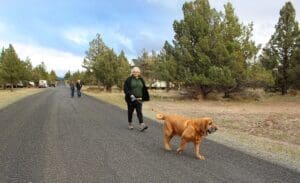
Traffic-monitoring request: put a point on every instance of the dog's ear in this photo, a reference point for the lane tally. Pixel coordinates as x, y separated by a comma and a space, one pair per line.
189, 122
203, 125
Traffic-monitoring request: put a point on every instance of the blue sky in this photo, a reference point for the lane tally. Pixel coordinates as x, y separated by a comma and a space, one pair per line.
58, 31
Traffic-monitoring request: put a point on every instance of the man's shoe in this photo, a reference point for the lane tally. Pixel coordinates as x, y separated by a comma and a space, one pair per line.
143, 127
130, 127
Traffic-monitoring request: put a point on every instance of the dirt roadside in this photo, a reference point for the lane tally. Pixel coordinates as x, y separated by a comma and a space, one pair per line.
7, 97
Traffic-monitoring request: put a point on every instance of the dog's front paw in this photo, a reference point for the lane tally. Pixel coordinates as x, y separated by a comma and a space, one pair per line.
168, 148
179, 151
200, 157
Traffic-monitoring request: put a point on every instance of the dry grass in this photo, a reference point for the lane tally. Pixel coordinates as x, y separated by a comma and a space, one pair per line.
269, 129
277, 121
7, 97
116, 98
279, 152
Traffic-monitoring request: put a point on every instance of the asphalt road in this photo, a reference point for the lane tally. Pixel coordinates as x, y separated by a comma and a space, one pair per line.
50, 137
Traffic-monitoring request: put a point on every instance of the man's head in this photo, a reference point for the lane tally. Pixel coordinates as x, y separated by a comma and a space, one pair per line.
136, 72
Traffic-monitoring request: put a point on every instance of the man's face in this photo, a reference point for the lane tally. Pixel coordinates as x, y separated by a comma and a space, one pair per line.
136, 73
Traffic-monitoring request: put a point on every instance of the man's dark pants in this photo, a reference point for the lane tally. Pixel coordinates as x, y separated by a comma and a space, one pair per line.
137, 105
78, 93
72, 92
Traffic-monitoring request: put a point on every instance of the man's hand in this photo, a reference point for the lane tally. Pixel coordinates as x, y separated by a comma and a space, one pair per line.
132, 98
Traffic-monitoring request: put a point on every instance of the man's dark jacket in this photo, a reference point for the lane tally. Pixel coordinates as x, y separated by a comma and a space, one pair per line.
78, 85
72, 86
128, 90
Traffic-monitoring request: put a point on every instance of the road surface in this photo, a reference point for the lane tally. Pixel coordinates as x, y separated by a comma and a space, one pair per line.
50, 137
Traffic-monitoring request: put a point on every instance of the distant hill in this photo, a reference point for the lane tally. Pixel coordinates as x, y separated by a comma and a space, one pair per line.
60, 78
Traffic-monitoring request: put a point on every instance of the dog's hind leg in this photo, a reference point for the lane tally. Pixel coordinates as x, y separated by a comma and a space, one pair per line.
182, 145
167, 139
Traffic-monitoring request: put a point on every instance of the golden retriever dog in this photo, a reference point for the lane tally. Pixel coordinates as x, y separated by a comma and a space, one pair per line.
190, 130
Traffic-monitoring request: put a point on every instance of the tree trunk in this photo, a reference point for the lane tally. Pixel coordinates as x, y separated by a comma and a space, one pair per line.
231, 90
98, 84
284, 88
11, 85
205, 91
108, 88
168, 86
285, 64
226, 94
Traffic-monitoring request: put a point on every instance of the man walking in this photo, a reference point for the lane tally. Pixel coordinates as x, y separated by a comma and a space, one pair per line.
135, 94
72, 87
78, 87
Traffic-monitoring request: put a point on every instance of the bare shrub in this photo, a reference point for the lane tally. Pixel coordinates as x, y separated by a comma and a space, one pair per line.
249, 94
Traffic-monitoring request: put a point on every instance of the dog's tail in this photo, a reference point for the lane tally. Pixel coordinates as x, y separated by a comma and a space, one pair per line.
159, 115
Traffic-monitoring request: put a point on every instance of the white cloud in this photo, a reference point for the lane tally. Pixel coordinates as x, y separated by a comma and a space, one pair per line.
79, 36
148, 34
56, 60
112, 36
124, 40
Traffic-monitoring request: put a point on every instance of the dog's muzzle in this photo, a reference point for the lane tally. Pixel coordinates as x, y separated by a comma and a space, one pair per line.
212, 129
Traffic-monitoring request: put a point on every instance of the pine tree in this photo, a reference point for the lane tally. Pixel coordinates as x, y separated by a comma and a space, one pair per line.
52, 77
294, 71
239, 50
97, 47
11, 66
123, 69
105, 68
41, 72
166, 65
1, 69
146, 62
102, 61
67, 75
209, 45
27, 69
258, 76
278, 53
